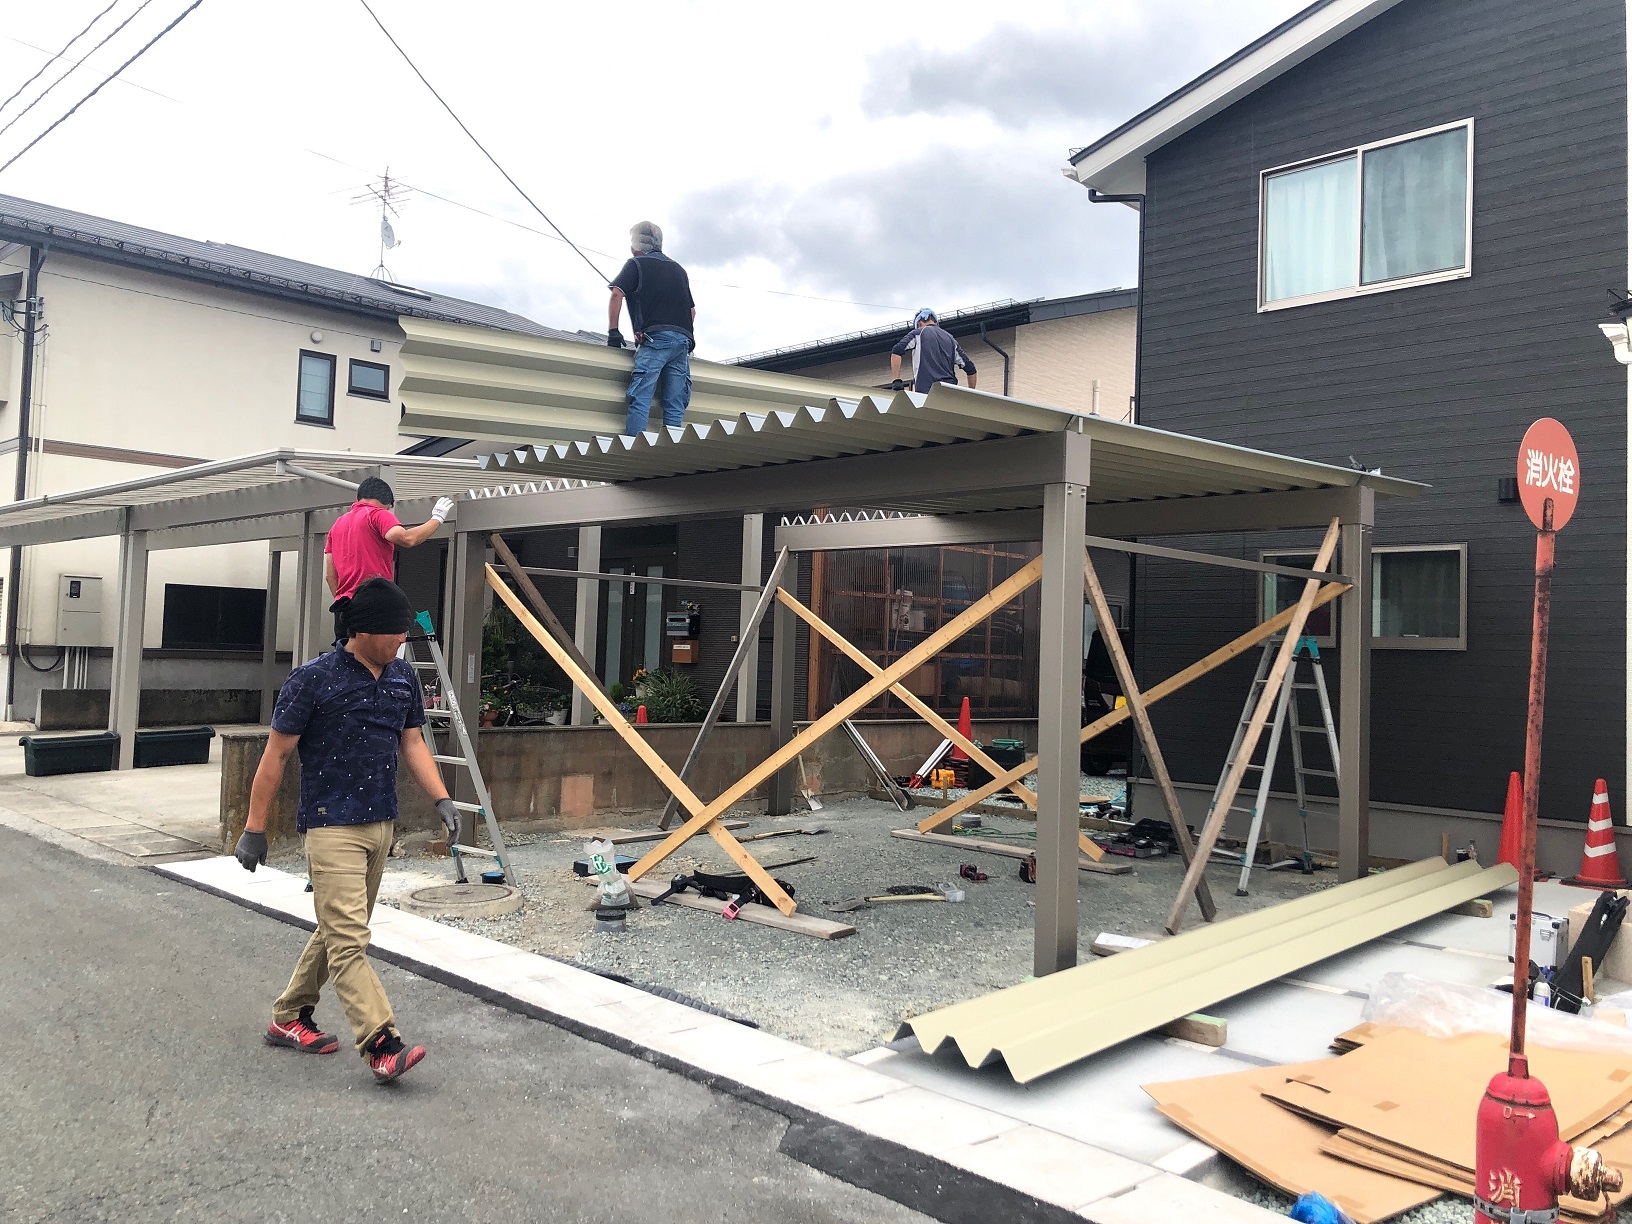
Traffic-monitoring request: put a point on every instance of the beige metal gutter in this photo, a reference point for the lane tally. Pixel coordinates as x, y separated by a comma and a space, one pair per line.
1052, 1022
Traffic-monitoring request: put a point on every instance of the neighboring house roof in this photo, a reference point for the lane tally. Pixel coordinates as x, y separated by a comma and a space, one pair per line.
1115, 163
966, 322
234, 267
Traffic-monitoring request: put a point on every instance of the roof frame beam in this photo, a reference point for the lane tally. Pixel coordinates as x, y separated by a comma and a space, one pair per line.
1022, 464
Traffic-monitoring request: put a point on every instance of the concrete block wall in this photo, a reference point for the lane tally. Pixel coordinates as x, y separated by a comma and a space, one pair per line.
579, 777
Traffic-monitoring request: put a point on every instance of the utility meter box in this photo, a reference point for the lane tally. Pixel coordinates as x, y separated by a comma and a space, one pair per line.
79, 610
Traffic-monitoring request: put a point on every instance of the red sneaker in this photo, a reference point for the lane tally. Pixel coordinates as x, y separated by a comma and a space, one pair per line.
301, 1034
388, 1058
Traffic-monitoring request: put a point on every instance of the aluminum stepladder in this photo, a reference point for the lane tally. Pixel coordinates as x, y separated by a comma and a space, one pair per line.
1289, 711
443, 715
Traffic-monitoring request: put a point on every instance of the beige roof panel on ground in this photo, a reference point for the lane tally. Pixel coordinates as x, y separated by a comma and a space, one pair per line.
1052, 1022
471, 382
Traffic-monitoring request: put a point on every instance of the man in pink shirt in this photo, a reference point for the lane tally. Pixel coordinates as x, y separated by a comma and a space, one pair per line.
363, 542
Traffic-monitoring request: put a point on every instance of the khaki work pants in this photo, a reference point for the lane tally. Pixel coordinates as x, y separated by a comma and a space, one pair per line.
346, 863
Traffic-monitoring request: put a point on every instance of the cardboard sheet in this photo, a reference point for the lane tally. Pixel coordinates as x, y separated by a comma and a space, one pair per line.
1422, 1093
1230, 1113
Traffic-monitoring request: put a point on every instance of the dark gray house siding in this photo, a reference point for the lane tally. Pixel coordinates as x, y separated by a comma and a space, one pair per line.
1434, 383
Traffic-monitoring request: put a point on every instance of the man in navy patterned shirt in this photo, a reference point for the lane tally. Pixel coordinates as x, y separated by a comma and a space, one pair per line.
349, 713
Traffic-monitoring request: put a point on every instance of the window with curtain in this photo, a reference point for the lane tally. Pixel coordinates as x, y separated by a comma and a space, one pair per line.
1376, 217
1418, 597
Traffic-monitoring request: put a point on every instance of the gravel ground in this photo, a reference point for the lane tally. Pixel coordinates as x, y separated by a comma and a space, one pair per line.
846, 995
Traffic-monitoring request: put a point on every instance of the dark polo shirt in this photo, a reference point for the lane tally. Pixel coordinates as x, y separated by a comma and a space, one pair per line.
350, 727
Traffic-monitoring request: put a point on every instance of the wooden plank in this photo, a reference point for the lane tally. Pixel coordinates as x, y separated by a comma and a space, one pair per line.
1141, 722
1019, 582
1260, 719
1003, 848
542, 608
625, 837
1109, 943
912, 701
760, 915
1479, 907
747, 639
1199, 1028
1166, 688
648, 755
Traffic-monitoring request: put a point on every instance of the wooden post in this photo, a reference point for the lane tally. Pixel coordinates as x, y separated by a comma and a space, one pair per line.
920, 654
648, 755
1166, 688
1260, 719
1141, 722
747, 643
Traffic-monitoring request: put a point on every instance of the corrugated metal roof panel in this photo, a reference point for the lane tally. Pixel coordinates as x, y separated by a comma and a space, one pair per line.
470, 382
1043, 1025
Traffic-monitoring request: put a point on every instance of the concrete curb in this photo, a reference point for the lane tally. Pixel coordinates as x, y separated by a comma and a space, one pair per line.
859, 1125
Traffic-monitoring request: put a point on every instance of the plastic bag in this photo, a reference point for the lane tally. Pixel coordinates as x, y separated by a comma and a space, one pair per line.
1318, 1209
1446, 1009
603, 863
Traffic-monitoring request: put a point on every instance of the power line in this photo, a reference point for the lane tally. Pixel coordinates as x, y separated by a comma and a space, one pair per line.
478, 143
40, 97
65, 49
65, 117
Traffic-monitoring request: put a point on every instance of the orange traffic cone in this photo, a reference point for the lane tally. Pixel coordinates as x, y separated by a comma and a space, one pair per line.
1512, 821
1600, 866
640, 716
966, 728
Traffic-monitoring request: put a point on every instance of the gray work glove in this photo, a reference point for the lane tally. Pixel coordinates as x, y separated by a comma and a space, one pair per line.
614, 338
251, 850
450, 818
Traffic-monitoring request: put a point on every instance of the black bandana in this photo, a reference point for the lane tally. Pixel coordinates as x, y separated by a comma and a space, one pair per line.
378, 606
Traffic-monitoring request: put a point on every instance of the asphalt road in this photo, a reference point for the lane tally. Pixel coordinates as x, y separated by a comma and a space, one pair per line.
134, 1086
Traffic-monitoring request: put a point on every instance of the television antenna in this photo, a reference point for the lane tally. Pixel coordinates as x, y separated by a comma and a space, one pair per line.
388, 193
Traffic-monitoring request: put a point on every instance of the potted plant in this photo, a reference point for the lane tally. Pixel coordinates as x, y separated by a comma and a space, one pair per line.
559, 704
669, 697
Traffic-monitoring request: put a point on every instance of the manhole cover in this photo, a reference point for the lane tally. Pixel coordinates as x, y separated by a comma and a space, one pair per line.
462, 900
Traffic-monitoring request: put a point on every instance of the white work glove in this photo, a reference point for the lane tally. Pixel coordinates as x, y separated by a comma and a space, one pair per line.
443, 508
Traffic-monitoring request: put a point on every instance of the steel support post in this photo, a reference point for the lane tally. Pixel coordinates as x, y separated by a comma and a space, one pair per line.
784, 667
587, 615
269, 633
314, 627
125, 700
1354, 698
753, 572
1059, 724
462, 637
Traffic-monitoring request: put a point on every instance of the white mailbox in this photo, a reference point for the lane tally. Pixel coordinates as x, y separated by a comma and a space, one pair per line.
79, 610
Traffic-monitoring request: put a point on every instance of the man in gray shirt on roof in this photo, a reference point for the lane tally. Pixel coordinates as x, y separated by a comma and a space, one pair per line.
936, 356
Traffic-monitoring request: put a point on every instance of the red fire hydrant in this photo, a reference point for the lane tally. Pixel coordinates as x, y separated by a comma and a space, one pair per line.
1522, 1166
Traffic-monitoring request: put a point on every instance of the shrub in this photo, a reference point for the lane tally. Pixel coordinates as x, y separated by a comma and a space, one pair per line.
669, 697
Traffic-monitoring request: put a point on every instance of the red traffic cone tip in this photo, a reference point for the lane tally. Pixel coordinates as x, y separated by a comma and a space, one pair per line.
1512, 821
966, 728
640, 716
1600, 865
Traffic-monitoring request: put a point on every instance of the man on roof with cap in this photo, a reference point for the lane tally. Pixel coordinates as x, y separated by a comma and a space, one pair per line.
662, 315
363, 541
349, 714
936, 356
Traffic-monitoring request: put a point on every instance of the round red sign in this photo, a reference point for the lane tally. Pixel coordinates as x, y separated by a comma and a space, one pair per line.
1549, 470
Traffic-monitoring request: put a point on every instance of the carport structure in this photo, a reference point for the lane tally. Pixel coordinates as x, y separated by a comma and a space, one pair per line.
289, 498
953, 467
963, 467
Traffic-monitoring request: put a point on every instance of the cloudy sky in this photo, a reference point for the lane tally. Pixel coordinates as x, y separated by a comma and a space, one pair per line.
818, 168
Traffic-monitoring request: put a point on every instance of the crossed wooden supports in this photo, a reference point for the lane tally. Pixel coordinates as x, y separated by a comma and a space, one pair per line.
705, 816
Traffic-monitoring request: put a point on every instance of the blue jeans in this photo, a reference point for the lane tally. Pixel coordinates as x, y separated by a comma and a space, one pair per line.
662, 363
